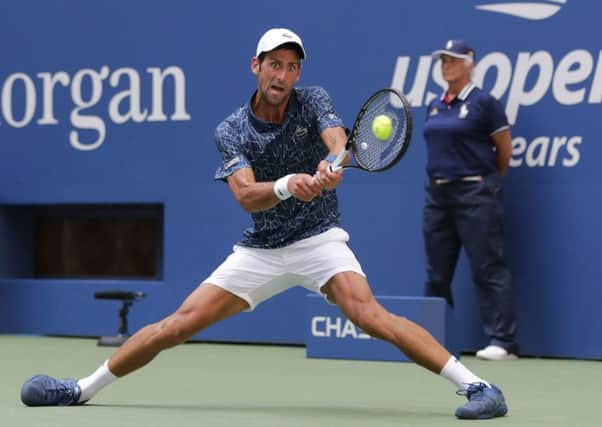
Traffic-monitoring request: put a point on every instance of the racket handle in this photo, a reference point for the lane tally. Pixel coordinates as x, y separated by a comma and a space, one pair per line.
336, 164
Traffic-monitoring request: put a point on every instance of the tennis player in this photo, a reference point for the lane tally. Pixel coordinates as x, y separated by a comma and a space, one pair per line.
276, 150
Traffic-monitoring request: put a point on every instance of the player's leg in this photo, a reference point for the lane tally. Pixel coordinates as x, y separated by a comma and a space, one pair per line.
336, 273
480, 224
350, 291
353, 295
441, 243
203, 307
245, 279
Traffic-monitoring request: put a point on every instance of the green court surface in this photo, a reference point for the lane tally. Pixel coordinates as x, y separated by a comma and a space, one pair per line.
248, 385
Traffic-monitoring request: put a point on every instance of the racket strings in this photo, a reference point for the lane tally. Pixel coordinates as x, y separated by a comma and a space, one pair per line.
371, 152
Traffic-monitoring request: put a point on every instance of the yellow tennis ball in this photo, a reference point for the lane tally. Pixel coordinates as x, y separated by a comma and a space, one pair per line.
382, 127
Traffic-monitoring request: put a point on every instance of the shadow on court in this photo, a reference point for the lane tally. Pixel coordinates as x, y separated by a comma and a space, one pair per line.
298, 411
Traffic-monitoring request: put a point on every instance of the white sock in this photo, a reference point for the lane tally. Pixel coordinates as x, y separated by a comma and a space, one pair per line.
459, 374
92, 384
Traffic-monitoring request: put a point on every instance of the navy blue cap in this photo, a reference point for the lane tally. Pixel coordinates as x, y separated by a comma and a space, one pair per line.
457, 49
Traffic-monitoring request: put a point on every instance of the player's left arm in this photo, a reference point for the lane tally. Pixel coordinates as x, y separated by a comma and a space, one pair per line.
503, 148
253, 196
256, 196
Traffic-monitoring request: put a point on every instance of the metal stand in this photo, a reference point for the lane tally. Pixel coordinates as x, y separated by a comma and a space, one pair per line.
127, 299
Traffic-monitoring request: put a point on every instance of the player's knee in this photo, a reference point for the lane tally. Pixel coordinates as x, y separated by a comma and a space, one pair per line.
174, 330
370, 320
176, 335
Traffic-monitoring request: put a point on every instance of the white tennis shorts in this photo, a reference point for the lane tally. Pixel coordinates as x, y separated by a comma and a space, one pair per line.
256, 275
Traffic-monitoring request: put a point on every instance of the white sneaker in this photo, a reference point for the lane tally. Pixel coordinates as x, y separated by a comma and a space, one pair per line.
495, 352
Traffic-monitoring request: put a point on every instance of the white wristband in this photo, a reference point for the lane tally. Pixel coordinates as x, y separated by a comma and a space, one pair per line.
281, 187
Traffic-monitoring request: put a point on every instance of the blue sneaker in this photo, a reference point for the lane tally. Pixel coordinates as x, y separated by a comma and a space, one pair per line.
42, 390
483, 402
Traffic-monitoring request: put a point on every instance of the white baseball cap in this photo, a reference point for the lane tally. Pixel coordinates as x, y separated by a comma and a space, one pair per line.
276, 37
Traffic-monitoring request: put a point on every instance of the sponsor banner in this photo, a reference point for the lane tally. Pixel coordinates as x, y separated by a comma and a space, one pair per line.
331, 335
522, 82
120, 91
118, 103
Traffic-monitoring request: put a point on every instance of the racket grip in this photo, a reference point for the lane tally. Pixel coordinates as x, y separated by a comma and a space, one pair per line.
336, 164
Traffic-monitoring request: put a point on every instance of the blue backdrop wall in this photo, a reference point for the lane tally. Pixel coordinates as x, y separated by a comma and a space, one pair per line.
116, 102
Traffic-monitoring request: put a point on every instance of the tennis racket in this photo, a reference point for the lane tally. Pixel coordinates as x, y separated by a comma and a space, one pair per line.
380, 135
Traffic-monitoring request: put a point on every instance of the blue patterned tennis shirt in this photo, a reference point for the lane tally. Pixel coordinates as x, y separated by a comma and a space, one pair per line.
274, 150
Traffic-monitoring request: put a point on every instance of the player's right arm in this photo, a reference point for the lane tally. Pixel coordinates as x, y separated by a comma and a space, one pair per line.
335, 139
256, 196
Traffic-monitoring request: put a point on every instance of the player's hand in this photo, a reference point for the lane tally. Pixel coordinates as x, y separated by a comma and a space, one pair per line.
304, 187
325, 178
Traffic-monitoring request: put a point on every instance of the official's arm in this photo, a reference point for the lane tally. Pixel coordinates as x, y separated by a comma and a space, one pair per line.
503, 146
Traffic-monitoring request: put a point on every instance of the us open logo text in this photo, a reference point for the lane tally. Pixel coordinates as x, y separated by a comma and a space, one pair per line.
520, 82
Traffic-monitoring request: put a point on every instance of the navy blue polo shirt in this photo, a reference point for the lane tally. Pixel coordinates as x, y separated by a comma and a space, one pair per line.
274, 150
458, 135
